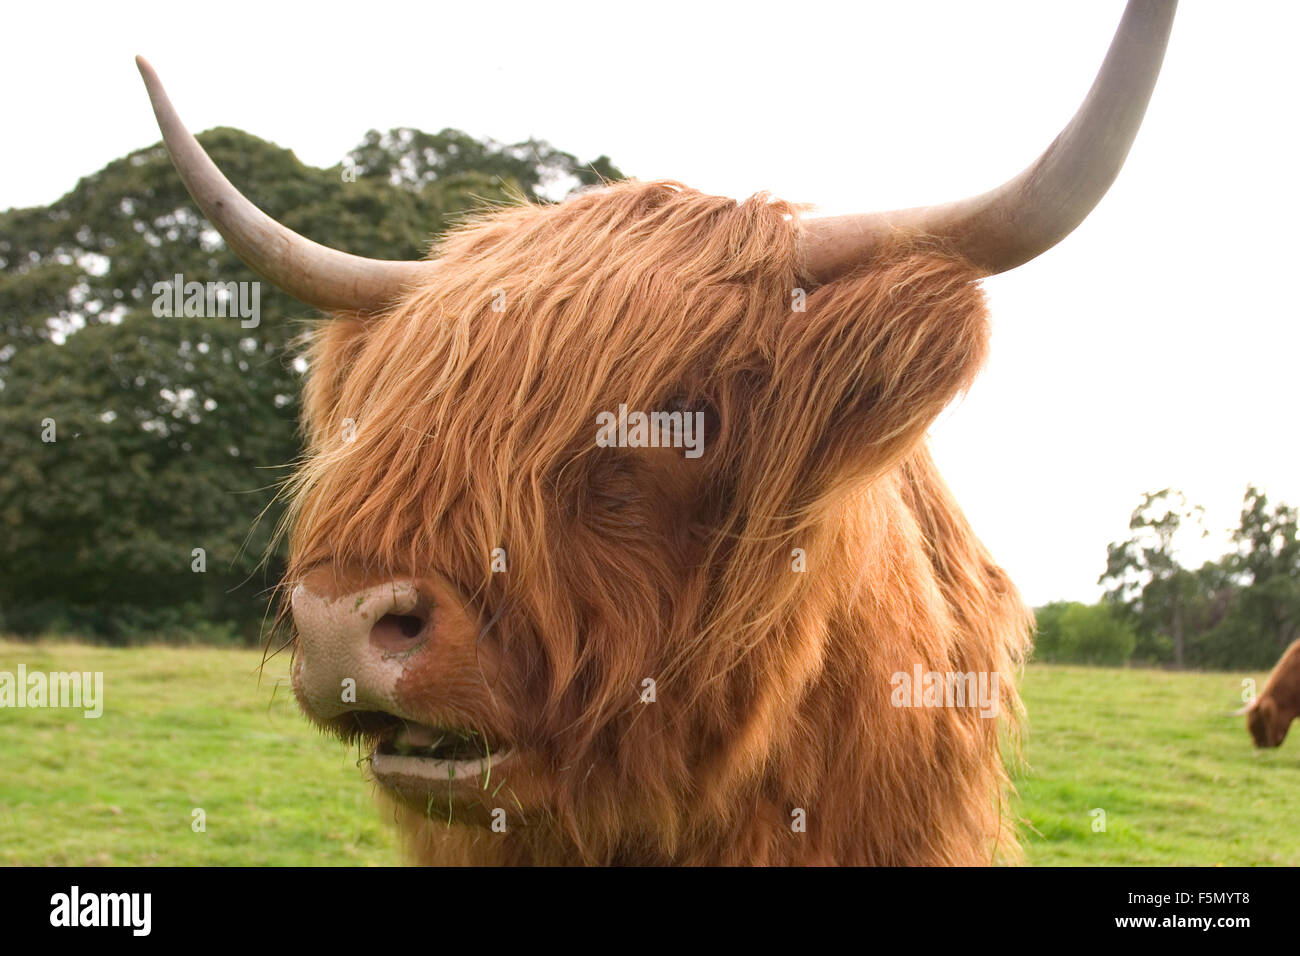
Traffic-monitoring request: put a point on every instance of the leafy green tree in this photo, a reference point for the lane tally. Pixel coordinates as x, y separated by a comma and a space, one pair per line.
1206, 607
1263, 617
1268, 561
1071, 632
1047, 623
170, 434
414, 160
1145, 577
131, 445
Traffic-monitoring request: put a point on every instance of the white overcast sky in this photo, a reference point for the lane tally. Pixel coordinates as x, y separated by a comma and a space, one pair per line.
1155, 346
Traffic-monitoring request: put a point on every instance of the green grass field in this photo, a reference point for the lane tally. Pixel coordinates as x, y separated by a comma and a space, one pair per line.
193, 728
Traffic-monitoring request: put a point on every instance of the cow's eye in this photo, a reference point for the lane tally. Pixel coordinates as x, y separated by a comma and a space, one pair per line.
686, 403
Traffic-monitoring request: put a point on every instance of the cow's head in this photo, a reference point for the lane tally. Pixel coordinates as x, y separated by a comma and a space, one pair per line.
1266, 723
1269, 715
607, 637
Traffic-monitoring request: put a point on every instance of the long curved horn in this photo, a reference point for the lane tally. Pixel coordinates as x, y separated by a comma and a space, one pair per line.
325, 278
1025, 216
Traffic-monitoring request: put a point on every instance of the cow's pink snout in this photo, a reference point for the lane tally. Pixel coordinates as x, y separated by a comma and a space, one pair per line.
352, 649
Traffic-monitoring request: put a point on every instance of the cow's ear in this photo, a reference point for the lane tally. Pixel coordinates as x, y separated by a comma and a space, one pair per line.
859, 375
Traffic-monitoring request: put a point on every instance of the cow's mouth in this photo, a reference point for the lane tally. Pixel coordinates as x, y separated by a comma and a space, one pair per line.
419, 755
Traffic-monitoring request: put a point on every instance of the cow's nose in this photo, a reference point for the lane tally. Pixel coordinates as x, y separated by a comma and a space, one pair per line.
352, 649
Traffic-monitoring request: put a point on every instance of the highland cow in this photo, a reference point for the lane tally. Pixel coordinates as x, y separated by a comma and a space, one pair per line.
1269, 715
562, 650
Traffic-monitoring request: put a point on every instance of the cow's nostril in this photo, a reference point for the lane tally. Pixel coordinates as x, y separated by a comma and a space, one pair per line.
397, 632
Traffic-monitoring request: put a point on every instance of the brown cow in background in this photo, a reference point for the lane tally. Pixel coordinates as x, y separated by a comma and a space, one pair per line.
561, 650
1269, 715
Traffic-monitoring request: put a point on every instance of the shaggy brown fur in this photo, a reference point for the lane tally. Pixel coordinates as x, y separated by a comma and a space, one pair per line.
476, 430
1270, 714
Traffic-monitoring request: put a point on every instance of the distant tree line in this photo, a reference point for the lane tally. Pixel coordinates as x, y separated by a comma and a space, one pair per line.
140, 454
1240, 611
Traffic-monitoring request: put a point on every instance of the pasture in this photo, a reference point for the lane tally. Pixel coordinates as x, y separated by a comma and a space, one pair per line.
195, 728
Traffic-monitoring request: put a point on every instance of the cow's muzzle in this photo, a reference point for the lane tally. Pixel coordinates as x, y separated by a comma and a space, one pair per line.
363, 670
353, 649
